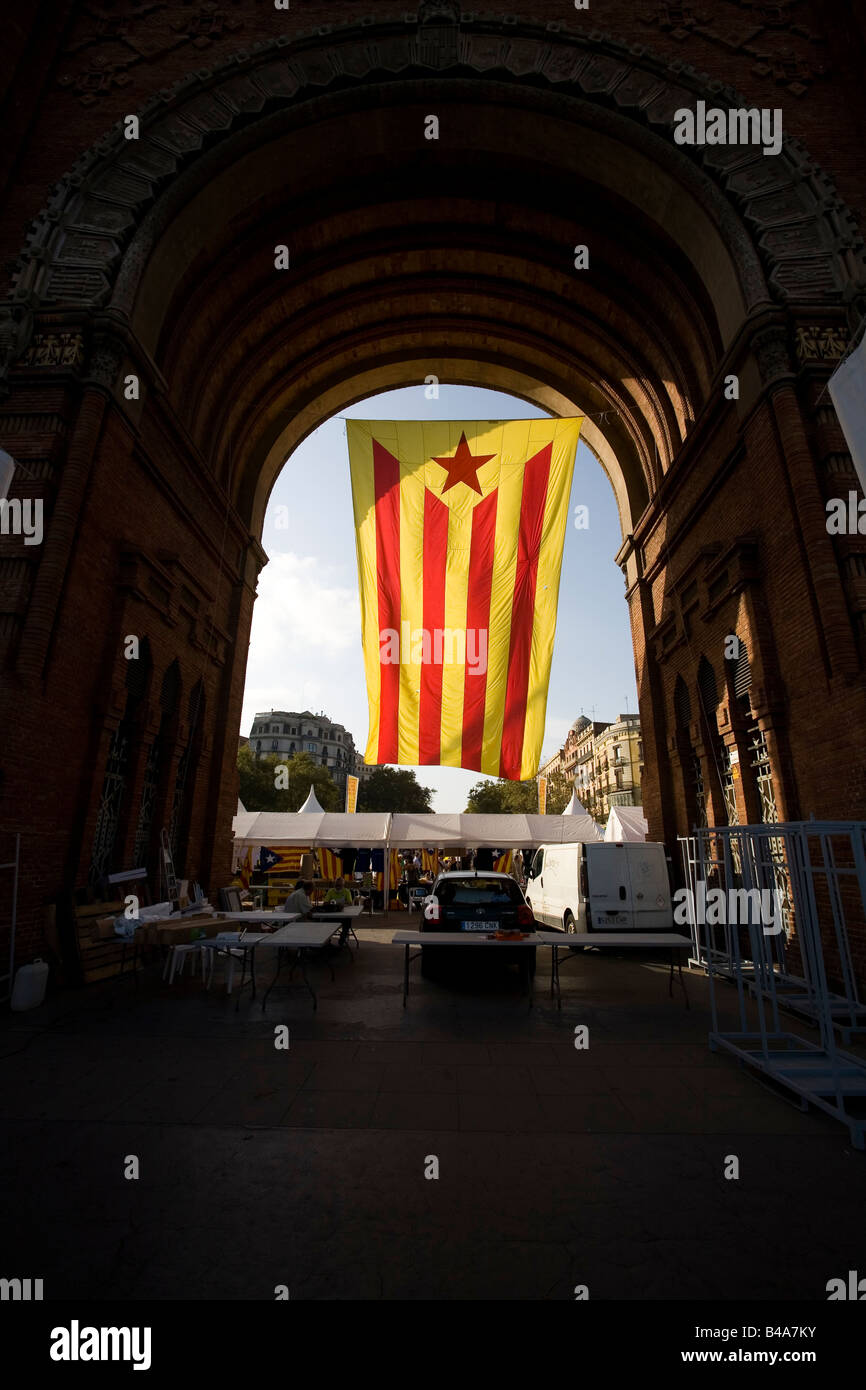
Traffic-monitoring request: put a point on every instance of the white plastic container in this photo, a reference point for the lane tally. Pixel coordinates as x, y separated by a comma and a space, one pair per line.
29, 989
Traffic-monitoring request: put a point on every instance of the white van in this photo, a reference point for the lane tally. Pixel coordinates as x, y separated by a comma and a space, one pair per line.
603, 886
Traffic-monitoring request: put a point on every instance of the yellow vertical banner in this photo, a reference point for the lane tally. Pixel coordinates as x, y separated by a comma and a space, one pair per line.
352, 794
542, 796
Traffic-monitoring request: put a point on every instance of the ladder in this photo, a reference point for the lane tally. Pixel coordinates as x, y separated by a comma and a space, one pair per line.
167, 866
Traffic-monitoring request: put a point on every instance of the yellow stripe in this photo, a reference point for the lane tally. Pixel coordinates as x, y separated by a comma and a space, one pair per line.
359, 436
514, 445
409, 449
547, 587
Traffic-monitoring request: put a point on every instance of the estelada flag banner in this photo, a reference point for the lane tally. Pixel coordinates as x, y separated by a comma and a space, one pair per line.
281, 861
459, 528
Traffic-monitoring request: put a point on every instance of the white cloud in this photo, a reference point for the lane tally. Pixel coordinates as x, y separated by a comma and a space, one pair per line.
305, 643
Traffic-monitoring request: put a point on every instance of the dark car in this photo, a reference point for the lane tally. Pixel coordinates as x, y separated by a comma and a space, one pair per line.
477, 902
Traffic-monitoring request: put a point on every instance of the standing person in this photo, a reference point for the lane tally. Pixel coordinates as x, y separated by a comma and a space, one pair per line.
299, 901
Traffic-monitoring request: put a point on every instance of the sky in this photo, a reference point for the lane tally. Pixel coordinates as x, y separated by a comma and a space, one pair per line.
305, 645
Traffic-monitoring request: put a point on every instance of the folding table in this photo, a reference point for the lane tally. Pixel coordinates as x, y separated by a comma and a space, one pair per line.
302, 937
325, 913
246, 943
633, 940
458, 938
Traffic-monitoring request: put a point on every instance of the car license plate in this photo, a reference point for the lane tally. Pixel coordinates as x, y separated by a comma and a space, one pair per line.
479, 926
611, 919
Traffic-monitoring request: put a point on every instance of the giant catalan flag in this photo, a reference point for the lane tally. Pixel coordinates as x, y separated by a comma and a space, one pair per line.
460, 528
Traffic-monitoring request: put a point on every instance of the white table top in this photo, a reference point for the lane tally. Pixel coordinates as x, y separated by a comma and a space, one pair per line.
614, 938
334, 912
282, 917
293, 934
302, 934
459, 938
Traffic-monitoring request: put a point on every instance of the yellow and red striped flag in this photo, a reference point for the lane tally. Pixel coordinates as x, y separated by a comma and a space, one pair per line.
330, 864
460, 527
246, 869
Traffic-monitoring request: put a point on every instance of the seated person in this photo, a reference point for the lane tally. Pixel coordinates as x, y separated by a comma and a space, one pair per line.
299, 900
339, 894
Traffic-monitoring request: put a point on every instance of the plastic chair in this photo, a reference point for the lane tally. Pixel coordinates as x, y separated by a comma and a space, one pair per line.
176, 959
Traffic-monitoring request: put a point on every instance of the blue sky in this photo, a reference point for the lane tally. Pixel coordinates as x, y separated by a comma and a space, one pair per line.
305, 647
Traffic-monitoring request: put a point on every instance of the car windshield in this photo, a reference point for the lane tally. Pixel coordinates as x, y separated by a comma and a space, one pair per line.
486, 892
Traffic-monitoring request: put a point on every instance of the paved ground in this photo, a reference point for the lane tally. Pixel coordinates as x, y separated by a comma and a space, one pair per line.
306, 1167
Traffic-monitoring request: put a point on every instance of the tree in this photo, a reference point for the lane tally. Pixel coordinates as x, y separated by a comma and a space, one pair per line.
503, 798
264, 788
393, 789
559, 790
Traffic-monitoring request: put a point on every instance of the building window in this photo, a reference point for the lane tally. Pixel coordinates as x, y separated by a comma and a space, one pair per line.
274, 744
311, 747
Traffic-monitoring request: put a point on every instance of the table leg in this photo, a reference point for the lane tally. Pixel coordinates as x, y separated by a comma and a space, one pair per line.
243, 977
406, 975
677, 953
281, 950
302, 963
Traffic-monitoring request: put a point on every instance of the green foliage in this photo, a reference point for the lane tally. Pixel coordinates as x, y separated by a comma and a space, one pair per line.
503, 798
559, 790
258, 782
393, 789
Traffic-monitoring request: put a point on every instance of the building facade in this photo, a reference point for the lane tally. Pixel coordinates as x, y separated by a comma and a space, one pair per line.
605, 763
618, 761
287, 732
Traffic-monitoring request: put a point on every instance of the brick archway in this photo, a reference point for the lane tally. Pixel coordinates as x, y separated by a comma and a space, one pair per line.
154, 258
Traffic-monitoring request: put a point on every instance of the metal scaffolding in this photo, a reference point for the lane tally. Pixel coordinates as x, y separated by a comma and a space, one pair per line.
817, 872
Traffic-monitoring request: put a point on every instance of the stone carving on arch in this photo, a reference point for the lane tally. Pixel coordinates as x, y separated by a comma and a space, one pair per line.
86, 249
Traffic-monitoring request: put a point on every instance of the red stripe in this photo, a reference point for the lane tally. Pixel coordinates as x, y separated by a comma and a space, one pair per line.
386, 471
435, 553
478, 618
535, 480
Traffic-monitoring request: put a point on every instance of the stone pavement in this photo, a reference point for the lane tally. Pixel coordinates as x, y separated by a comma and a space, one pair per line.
305, 1167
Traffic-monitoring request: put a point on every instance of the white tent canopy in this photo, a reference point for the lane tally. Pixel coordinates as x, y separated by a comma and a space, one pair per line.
496, 831
339, 830
574, 807
625, 823
333, 829
311, 806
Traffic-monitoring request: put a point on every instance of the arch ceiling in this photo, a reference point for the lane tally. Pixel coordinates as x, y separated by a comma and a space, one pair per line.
452, 257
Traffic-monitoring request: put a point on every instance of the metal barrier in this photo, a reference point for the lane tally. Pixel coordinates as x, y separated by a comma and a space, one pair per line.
817, 871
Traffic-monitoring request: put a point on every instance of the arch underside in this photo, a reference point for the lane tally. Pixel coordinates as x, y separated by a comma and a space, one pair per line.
457, 251
462, 255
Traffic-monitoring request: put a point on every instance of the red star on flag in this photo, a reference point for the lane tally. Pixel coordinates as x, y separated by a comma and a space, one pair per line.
463, 466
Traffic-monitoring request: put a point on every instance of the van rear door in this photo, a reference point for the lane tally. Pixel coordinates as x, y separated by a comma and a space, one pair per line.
650, 887
609, 901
